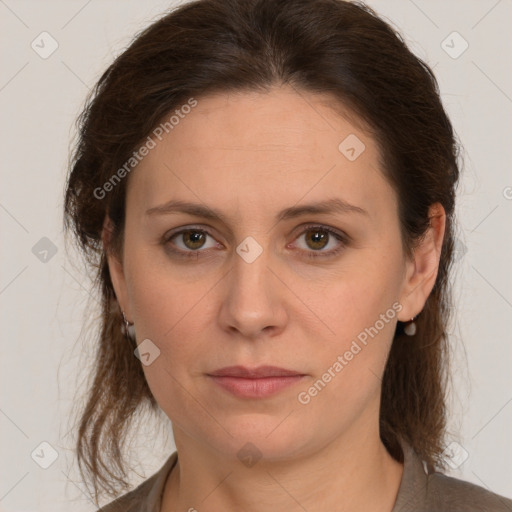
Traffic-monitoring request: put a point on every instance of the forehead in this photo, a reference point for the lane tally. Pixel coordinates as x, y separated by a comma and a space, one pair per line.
261, 150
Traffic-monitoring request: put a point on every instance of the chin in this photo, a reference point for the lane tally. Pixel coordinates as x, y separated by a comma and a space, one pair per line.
262, 436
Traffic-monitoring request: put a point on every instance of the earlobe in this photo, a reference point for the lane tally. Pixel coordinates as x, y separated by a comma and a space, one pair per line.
115, 267
422, 268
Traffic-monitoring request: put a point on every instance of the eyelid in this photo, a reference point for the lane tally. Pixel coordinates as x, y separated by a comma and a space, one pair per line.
322, 227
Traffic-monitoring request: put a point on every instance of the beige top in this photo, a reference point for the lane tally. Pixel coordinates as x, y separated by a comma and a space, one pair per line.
421, 490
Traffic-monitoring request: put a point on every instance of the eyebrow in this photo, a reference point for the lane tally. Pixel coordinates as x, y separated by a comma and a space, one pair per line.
199, 210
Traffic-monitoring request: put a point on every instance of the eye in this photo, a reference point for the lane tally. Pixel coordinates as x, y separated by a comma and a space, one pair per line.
317, 238
189, 241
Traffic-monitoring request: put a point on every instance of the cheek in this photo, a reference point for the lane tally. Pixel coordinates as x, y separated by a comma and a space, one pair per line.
360, 307
358, 296
158, 296
172, 312
350, 363
364, 325
172, 315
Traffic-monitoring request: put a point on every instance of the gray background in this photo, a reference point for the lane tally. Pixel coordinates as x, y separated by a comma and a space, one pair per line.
46, 350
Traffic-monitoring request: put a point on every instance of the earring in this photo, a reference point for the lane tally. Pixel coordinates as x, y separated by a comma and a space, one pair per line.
410, 328
128, 329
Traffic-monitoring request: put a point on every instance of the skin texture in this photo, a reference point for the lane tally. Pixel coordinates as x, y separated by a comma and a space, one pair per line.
251, 155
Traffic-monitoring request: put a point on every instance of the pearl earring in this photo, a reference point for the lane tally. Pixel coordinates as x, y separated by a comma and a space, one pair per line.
410, 329
128, 329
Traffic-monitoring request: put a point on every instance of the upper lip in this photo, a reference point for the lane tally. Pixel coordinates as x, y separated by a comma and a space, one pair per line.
253, 373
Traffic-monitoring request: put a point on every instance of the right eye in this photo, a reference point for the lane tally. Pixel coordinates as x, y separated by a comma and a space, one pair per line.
189, 242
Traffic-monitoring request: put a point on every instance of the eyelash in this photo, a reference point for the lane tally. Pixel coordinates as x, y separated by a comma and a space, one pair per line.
309, 254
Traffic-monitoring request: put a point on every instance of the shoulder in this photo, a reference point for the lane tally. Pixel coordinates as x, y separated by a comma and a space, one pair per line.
446, 493
146, 497
131, 501
424, 490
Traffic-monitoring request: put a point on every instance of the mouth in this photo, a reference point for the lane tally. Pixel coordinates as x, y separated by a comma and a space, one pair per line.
260, 382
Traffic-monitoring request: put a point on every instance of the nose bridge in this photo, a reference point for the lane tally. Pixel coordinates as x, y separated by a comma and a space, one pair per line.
251, 302
250, 272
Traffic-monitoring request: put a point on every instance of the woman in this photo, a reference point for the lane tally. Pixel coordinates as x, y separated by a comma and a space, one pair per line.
266, 188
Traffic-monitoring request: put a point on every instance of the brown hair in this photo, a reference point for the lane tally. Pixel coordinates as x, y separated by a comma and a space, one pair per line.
318, 46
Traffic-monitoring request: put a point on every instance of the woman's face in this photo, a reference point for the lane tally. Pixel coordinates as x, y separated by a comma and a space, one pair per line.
265, 280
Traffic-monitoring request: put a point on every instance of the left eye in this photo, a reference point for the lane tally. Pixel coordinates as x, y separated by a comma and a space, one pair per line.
317, 238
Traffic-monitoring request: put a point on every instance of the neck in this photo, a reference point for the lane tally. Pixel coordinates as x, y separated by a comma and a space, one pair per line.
353, 473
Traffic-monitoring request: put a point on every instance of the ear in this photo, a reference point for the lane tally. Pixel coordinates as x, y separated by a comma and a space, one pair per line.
115, 266
422, 267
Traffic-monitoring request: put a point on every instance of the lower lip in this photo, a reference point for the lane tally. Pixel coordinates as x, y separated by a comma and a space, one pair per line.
255, 388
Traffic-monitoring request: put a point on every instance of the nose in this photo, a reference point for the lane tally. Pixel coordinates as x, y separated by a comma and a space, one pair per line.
253, 304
